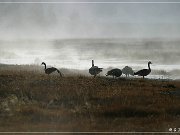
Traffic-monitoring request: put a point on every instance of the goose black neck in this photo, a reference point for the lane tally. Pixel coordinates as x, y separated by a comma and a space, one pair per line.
149, 66
44, 66
92, 63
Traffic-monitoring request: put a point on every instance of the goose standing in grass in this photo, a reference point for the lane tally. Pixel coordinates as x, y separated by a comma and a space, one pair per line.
50, 70
94, 70
144, 72
114, 72
127, 71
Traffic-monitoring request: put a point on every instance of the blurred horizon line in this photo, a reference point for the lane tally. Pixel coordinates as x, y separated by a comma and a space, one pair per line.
91, 38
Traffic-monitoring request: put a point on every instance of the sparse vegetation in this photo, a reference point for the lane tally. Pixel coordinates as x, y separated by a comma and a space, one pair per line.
33, 101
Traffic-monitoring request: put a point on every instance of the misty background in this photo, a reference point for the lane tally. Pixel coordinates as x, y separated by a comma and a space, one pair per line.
70, 35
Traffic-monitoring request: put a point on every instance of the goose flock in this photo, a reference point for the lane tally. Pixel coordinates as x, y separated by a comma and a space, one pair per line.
95, 70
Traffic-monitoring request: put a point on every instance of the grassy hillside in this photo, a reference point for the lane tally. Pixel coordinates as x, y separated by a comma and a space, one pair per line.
33, 101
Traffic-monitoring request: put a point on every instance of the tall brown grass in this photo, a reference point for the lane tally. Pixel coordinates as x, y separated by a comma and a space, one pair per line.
81, 103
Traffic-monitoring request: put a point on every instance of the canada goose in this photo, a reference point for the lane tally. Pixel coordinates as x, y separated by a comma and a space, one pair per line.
50, 70
94, 70
114, 72
127, 71
144, 72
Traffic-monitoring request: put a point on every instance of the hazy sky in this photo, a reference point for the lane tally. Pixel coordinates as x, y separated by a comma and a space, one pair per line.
85, 20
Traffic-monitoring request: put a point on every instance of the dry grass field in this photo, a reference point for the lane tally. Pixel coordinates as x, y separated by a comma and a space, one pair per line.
32, 101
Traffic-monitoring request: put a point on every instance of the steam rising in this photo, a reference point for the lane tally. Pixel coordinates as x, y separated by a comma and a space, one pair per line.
78, 53
71, 35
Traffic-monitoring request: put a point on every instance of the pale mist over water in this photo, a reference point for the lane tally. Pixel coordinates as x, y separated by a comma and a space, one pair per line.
107, 53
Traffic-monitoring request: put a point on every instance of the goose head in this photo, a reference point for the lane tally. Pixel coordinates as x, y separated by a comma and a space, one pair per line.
149, 62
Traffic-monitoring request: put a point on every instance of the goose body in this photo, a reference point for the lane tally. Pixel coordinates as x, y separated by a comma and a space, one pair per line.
144, 72
114, 72
50, 70
94, 70
127, 71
